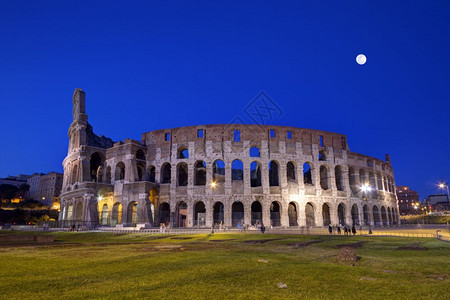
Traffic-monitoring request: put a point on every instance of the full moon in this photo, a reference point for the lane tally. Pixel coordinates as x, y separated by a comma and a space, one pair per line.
361, 59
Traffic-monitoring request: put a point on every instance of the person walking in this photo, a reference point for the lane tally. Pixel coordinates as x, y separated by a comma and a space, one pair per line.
339, 230
330, 229
345, 230
263, 229
353, 229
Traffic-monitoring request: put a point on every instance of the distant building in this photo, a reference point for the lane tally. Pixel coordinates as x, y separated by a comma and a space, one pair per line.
437, 203
45, 187
408, 200
15, 180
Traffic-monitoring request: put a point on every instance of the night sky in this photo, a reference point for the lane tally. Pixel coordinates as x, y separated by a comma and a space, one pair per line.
147, 65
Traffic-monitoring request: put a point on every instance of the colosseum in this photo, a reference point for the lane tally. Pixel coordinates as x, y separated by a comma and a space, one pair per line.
201, 176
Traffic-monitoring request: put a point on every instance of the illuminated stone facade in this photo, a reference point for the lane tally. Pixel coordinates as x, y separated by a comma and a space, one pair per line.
229, 174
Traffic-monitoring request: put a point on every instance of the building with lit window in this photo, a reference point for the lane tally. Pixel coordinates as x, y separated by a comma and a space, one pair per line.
408, 201
45, 188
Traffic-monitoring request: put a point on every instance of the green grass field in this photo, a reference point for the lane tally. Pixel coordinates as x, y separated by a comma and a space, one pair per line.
222, 266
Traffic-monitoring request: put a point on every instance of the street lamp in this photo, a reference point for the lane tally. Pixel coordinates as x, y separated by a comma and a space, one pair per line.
213, 184
366, 188
442, 186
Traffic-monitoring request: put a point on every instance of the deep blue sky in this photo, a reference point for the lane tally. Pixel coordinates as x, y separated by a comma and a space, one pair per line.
148, 65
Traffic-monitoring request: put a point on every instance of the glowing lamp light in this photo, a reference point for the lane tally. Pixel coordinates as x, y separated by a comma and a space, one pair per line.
213, 184
100, 198
366, 188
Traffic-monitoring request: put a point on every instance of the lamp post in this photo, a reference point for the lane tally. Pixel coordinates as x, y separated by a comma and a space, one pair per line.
366, 188
442, 186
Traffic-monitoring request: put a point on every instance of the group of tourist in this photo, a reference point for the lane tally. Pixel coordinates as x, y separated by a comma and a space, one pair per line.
337, 230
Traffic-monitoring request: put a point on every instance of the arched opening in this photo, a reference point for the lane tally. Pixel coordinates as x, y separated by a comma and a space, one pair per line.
105, 215
120, 171
95, 162
182, 214
341, 214
290, 172
379, 182
273, 173
199, 214
218, 213
166, 173
237, 214
183, 152
70, 212
140, 172
355, 215
372, 181
254, 152
383, 215
366, 215
132, 213
338, 176
237, 170
219, 171
182, 174
255, 174
108, 175
310, 217
292, 213
351, 176
79, 212
116, 216
199, 173
307, 173
151, 174
362, 177
75, 174
100, 174
324, 178
140, 155
389, 215
385, 184
376, 215
275, 216
164, 213
326, 214
322, 155
256, 213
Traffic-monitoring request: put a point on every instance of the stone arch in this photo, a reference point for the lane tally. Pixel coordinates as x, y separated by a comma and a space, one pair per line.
255, 174
75, 174
389, 215
199, 173
326, 214
372, 181
96, 161
218, 171
218, 213
274, 179
199, 214
237, 170
362, 177
376, 215
322, 155
182, 220
132, 213
341, 214
383, 215
292, 214
140, 155
151, 173
275, 213
108, 175
104, 220
256, 213
351, 176
140, 171
339, 179
366, 214
119, 174
182, 174
307, 173
79, 211
309, 214
379, 182
100, 174
355, 215
164, 213
324, 177
237, 213
166, 173
183, 152
254, 152
290, 172
116, 215
70, 212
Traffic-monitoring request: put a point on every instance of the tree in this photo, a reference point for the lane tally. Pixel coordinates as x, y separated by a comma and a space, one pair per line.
8, 191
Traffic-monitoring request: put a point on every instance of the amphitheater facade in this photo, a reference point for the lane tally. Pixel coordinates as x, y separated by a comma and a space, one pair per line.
222, 174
